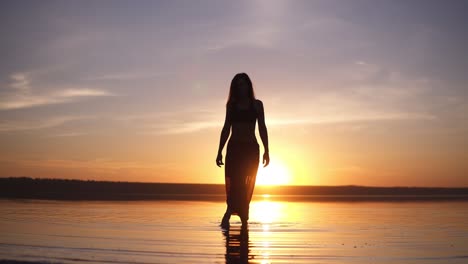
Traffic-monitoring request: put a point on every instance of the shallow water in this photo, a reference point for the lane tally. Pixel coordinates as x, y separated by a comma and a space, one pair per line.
189, 232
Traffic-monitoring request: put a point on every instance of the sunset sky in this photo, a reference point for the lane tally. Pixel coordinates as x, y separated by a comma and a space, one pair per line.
355, 92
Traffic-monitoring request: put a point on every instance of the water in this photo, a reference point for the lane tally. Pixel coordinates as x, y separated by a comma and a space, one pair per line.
278, 232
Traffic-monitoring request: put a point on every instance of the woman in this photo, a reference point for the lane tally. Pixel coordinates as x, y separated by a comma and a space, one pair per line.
242, 153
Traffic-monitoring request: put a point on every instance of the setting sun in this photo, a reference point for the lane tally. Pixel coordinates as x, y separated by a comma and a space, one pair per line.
276, 173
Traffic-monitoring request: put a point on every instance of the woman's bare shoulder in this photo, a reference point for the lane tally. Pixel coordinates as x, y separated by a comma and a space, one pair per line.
258, 104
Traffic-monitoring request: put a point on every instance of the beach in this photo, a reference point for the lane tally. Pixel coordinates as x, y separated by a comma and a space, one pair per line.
188, 232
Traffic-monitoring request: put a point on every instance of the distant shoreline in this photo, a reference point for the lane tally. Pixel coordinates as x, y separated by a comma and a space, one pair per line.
70, 189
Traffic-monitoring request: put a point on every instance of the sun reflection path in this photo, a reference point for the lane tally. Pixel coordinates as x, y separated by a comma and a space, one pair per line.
265, 213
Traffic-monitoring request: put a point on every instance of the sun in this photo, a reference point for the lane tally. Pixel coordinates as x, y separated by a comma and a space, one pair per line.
276, 173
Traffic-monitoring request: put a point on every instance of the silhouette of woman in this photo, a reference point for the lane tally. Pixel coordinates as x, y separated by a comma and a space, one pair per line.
242, 152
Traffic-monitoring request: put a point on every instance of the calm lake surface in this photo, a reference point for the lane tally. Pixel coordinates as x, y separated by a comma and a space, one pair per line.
189, 232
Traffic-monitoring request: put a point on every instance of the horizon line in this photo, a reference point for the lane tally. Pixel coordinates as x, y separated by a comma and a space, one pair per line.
271, 186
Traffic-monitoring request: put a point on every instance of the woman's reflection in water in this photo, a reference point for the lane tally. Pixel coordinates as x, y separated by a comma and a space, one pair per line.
237, 244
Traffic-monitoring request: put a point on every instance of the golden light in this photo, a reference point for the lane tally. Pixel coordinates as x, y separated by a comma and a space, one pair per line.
276, 173
266, 212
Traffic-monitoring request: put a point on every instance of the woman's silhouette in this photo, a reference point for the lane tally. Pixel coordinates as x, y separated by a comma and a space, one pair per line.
242, 152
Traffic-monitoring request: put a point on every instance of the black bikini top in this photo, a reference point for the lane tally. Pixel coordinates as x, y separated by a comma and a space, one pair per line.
243, 115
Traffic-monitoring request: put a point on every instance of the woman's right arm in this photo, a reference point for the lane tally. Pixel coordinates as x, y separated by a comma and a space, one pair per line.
225, 131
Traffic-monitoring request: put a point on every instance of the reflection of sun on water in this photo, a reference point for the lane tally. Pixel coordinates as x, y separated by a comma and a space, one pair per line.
276, 173
266, 213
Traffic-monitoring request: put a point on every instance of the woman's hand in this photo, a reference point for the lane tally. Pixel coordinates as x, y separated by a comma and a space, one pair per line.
219, 160
266, 159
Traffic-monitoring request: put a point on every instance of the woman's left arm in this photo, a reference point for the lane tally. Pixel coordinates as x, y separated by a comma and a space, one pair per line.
263, 132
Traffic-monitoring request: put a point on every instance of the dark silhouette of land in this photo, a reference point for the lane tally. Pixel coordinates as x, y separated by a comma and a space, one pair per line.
71, 189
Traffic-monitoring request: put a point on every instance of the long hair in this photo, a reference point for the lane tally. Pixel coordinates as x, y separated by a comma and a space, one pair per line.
234, 91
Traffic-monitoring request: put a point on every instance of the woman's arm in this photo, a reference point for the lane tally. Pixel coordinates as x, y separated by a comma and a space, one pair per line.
262, 127
225, 131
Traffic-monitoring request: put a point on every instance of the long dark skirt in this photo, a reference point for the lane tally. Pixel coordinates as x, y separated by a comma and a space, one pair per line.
241, 166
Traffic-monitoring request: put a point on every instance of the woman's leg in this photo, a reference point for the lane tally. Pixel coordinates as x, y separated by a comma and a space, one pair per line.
227, 214
226, 217
251, 169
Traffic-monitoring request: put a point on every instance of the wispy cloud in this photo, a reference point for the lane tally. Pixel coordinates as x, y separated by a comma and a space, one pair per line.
20, 95
350, 118
122, 76
171, 126
20, 82
180, 122
174, 122
262, 26
23, 125
98, 164
68, 134
179, 127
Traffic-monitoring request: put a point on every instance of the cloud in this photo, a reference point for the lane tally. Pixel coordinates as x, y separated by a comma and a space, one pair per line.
20, 82
68, 134
23, 125
20, 95
180, 126
348, 118
262, 25
98, 164
174, 122
122, 76
373, 94
190, 121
